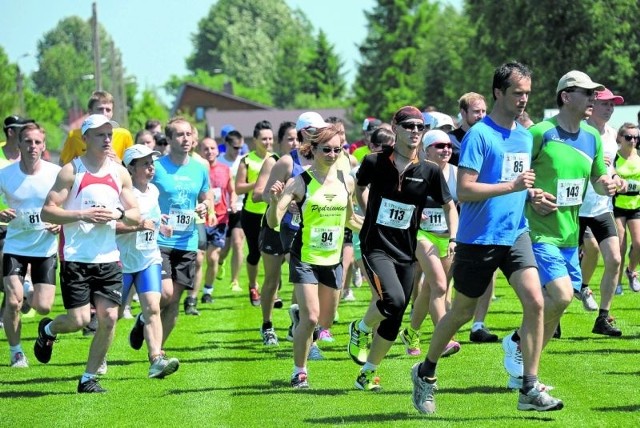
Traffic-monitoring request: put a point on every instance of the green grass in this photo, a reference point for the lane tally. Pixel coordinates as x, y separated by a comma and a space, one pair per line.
227, 378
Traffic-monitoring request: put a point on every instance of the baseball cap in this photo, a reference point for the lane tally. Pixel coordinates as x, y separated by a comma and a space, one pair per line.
370, 124
160, 138
96, 121
577, 79
138, 151
435, 136
225, 130
310, 119
16, 121
440, 119
607, 95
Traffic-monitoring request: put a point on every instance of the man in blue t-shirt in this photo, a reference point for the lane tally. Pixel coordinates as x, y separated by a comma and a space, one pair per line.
493, 178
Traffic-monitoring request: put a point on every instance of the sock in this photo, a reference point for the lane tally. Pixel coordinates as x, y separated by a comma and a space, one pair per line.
515, 336
15, 349
427, 370
86, 377
528, 383
369, 366
478, 325
603, 313
47, 330
584, 286
208, 289
363, 327
298, 370
267, 325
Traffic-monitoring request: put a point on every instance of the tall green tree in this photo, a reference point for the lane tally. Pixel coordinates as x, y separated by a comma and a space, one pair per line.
387, 77
148, 107
8, 95
556, 36
325, 69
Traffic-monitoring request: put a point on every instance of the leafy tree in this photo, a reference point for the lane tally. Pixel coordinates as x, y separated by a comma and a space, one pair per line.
327, 79
148, 107
46, 111
8, 95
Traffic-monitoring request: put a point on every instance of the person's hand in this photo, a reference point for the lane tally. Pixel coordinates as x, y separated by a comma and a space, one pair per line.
201, 209
99, 215
621, 184
52, 228
524, 180
542, 202
147, 224
609, 185
276, 191
7, 215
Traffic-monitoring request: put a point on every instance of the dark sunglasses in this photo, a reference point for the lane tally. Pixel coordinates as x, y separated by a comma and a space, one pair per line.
162, 143
327, 150
236, 148
441, 145
409, 126
631, 137
587, 92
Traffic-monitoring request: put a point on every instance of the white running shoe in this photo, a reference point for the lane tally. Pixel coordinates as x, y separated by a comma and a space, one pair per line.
512, 357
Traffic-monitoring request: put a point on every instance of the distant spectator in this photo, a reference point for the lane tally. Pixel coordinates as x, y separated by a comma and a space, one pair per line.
146, 137
154, 126
369, 125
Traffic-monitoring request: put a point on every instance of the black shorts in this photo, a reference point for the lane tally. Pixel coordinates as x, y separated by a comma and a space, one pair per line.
270, 242
287, 235
43, 269
305, 273
626, 214
234, 222
602, 227
3, 234
474, 265
80, 282
179, 266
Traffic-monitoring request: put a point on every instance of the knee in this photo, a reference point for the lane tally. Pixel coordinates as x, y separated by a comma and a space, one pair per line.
389, 328
41, 309
534, 305
13, 304
309, 320
253, 258
612, 261
392, 307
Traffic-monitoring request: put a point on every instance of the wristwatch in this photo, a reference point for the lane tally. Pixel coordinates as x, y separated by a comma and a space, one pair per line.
121, 213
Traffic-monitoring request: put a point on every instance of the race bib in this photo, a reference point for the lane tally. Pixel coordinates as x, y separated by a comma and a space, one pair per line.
633, 186
29, 220
217, 195
295, 219
181, 219
325, 238
433, 220
395, 214
570, 192
146, 240
513, 165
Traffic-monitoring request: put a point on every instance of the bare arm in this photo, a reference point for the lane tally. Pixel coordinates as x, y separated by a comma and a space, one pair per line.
451, 217
261, 181
605, 185
354, 221
281, 171
242, 186
362, 195
233, 196
469, 190
281, 197
128, 200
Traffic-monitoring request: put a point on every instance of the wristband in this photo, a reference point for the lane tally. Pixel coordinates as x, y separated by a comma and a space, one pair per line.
452, 239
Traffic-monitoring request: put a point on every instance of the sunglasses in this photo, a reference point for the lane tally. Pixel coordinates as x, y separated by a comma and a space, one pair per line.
162, 143
441, 145
409, 126
632, 137
327, 150
587, 92
236, 148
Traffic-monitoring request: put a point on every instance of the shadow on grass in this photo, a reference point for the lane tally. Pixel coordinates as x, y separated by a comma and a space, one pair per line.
272, 388
594, 351
599, 339
220, 359
230, 331
38, 380
399, 416
630, 408
32, 394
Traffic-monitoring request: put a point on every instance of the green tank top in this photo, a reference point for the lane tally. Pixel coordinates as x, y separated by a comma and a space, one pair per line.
253, 163
628, 169
323, 213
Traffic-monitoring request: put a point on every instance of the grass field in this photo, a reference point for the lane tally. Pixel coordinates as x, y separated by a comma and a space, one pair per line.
228, 379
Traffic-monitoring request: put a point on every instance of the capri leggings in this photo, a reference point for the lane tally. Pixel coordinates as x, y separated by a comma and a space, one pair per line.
251, 227
393, 282
147, 280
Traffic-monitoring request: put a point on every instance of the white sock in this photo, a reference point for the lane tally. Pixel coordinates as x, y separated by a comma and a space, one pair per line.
47, 329
15, 349
369, 366
208, 289
363, 327
477, 326
297, 370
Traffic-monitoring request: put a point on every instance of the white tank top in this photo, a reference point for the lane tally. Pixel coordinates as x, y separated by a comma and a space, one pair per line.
89, 242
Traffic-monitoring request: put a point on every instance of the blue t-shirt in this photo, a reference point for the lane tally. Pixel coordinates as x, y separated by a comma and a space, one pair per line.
498, 155
179, 187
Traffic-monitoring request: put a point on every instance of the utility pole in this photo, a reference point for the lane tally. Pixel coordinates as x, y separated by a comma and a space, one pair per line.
97, 58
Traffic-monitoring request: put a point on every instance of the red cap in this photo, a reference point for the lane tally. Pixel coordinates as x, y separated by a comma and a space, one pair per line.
607, 95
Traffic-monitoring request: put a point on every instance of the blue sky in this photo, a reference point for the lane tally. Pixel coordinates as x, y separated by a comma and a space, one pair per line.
154, 36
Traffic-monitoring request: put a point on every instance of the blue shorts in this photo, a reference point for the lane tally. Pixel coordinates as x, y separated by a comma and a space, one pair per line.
554, 262
147, 280
216, 235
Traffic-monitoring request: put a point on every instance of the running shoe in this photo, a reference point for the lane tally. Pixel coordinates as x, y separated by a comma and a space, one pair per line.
314, 353
619, 291
512, 357
606, 326
190, 306
89, 387
294, 315
269, 337
235, 287
634, 284
102, 370
19, 361
161, 367
452, 347
126, 313
299, 381
135, 298
254, 296
325, 336
538, 399
368, 381
206, 299
90, 329
222, 270
348, 296
411, 341
290, 333
423, 392
356, 279
43, 346
358, 346
136, 336
558, 333
483, 335
277, 303
585, 295
515, 383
